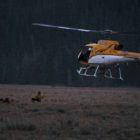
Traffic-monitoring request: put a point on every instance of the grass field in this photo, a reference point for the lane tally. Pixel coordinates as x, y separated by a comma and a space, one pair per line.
68, 113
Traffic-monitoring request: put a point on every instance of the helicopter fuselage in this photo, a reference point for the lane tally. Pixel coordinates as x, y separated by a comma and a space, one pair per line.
108, 59
105, 52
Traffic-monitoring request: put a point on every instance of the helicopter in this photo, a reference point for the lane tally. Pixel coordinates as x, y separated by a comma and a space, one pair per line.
101, 59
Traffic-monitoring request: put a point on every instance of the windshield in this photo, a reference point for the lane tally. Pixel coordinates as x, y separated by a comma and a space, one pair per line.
85, 50
84, 54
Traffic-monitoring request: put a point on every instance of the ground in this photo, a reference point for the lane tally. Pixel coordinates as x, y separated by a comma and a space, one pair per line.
69, 113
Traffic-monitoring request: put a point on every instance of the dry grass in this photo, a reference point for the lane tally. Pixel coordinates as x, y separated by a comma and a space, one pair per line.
70, 113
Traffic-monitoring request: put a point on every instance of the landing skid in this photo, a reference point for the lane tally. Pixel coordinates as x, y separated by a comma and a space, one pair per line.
98, 72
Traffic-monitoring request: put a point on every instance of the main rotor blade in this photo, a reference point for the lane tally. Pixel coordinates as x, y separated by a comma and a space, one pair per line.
76, 29
106, 31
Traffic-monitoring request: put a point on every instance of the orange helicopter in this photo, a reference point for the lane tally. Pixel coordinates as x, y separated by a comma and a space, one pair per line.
101, 58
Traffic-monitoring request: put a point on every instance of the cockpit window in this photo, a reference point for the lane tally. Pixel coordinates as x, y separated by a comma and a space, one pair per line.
85, 50
84, 55
89, 49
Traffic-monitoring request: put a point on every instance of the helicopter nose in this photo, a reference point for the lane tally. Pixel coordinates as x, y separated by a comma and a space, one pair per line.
82, 58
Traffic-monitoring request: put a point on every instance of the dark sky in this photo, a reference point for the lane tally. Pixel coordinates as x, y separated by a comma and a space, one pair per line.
34, 55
